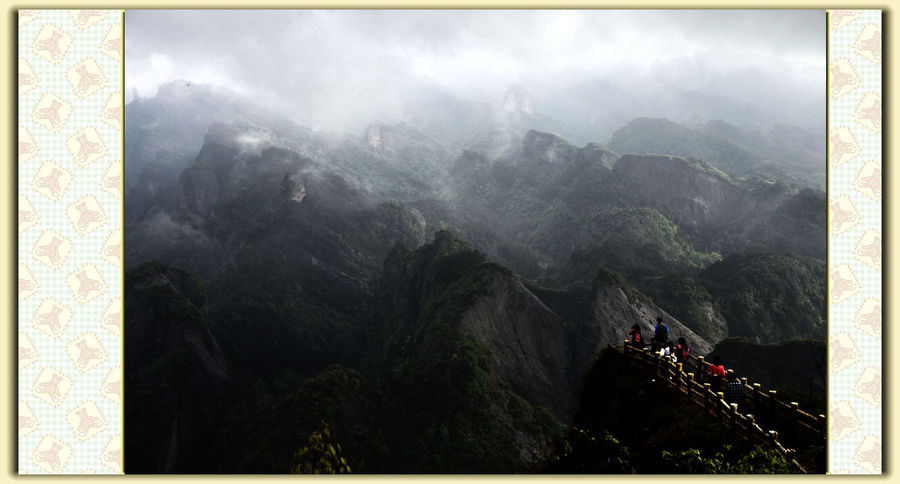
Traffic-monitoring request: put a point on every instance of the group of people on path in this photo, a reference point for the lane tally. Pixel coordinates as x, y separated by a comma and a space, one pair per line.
678, 353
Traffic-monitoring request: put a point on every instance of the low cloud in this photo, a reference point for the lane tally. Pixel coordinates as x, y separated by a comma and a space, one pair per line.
334, 67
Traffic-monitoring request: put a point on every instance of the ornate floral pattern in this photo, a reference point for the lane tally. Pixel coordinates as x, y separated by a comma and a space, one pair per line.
70, 263
855, 241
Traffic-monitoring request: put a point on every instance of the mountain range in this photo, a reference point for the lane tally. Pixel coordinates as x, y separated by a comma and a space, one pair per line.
432, 290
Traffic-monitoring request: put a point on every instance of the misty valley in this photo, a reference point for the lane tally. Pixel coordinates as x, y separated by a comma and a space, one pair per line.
437, 292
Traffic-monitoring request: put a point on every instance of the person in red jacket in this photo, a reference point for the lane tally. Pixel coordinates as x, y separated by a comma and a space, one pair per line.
716, 372
637, 339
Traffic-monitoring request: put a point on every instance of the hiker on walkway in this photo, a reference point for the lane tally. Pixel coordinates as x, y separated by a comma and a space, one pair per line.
637, 339
668, 352
665, 351
734, 391
682, 350
660, 334
716, 372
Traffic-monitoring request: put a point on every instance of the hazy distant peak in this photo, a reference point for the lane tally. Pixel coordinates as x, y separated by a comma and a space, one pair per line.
547, 147
645, 122
541, 141
517, 100
182, 88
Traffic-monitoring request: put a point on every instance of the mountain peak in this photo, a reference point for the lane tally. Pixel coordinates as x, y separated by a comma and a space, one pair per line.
183, 88
547, 147
517, 100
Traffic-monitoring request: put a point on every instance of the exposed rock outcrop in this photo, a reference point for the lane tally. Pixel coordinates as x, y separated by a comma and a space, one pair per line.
616, 311
688, 195
541, 147
403, 143
529, 344
517, 100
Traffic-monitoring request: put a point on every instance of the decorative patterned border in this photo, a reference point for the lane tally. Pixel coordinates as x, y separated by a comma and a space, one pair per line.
855, 242
70, 250
70, 253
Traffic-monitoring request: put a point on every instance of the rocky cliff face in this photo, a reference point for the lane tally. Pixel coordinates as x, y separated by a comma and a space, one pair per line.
540, 147
530, 345
232, 158
404, 144
164, 134
180, 298
201, 183
616, 311
689, 196
707, 206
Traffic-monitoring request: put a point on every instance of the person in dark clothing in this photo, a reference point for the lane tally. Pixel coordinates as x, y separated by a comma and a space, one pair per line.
716, 372
637, 339
660, 335
734, 391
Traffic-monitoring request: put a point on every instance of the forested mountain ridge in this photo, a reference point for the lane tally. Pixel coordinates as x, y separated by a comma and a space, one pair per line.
790, 154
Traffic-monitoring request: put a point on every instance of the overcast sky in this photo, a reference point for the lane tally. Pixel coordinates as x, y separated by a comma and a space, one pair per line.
344, 56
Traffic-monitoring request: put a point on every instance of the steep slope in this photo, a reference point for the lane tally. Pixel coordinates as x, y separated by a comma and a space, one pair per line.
523, 344
444, 391
175, 372
528, 343
769, 297
231, 195
618, 306
163, 134
690, 302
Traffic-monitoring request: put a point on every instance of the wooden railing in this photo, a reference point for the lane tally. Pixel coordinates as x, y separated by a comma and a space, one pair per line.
761, 418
